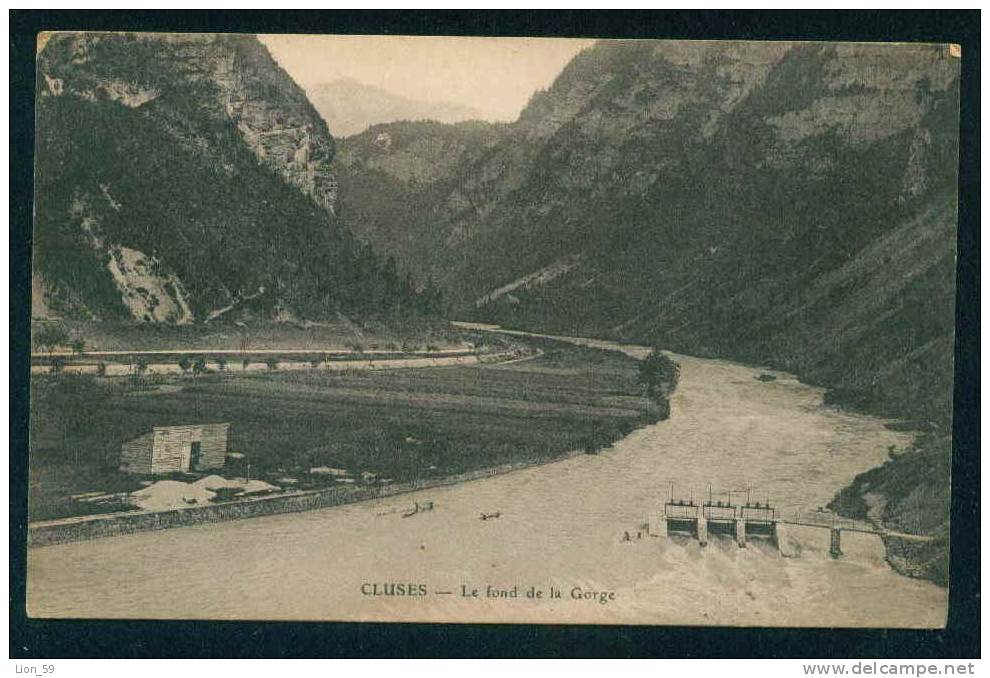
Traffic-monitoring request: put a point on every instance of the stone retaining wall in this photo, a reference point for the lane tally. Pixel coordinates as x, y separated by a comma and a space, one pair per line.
50, 532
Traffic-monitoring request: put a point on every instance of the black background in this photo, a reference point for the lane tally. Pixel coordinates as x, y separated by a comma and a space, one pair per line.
32, 638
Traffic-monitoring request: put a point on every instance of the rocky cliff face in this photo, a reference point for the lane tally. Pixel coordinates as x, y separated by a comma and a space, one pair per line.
181, 174
242, 84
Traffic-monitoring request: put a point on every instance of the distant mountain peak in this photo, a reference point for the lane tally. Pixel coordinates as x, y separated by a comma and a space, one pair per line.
350, 107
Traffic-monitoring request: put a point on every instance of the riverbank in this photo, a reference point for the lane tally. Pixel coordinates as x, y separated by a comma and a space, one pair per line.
51, 532
911, 492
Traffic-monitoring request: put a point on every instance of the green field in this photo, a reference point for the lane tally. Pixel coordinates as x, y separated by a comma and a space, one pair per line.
399, 424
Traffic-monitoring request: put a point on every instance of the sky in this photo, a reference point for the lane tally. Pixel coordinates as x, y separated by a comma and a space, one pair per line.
497, 76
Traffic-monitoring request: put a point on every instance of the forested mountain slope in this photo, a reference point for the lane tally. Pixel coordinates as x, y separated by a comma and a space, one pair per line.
790, 203
396, 179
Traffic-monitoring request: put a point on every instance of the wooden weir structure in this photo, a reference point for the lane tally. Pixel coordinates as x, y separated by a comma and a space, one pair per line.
749, 520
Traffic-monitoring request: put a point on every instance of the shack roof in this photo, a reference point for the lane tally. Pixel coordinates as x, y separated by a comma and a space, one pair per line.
176, 427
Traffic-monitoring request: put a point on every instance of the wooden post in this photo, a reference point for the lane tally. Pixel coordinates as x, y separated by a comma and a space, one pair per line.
835, 544
741, 532
658, 524
702, 529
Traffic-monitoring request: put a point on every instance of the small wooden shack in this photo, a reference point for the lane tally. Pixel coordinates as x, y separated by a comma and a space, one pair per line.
176, 449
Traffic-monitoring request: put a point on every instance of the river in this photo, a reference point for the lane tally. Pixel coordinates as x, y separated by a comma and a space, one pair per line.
560, 527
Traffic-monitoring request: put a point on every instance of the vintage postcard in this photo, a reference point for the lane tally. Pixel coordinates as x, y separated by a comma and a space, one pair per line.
569, 331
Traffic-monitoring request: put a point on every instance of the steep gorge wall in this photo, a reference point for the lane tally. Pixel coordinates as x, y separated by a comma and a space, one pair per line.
785, 204
163, 163
790, 203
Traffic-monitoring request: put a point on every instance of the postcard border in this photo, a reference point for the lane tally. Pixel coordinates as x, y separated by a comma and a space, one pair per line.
111, 639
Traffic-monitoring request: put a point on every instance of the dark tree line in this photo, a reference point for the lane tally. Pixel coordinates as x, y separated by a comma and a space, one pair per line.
373, 287
658, 375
